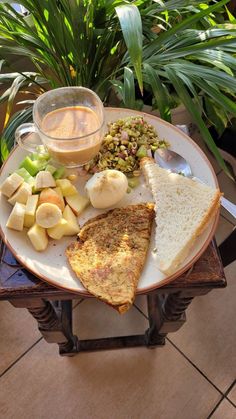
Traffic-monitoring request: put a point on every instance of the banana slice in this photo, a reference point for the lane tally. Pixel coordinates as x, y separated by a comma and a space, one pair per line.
11, 184
48, 215
16, 218
44, 179
21, 195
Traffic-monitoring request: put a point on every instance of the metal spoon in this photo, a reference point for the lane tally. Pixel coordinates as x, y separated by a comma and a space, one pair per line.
172, 161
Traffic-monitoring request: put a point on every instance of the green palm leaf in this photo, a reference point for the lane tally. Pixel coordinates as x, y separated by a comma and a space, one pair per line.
131, 26
193, 110
216, 115
216, 76
176, 29
159, 92
219, 59
8, 135
129, 88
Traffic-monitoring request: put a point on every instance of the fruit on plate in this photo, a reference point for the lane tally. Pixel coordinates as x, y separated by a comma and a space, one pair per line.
30, 210
59, 172
33, 166
58, 231
16, 218
52, 196
77, 202
38, 237
106, 188
72, 226
50, 168
43, 201
59, 192
66, 187
21, 195
26, 176
11, 184
48, 215
41, 153
44, 179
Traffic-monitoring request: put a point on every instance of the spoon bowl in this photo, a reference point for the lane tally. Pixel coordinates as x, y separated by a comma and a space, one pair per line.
170, 160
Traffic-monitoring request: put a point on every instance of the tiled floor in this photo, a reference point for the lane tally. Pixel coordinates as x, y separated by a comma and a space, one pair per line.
192, 377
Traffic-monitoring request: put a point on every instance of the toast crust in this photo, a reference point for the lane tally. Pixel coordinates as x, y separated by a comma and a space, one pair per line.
170, 267
169, 270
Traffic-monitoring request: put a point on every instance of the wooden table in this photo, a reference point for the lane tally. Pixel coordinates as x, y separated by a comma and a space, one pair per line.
52, 307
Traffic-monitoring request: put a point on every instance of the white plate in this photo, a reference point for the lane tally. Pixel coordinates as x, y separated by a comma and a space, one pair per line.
52, 265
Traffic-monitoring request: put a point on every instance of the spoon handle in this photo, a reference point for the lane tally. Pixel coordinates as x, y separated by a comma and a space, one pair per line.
229, 206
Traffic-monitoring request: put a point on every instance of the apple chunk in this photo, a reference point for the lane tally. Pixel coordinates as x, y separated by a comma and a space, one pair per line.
59, 192
52, 196
66, 187
30, 210
72, 226
57, 232
38, 237
77, 203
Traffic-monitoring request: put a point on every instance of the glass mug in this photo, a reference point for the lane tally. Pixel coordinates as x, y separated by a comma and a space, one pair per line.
69, 121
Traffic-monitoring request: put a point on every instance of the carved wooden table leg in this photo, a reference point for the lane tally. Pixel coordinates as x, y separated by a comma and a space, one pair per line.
153, 337
166, 305
167, 314
173, 309
55, 323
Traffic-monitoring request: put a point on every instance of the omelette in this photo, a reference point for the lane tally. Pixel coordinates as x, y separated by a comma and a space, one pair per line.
110, 253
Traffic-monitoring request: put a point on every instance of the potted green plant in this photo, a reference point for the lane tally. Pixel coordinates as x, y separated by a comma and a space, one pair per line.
189, 59
69, 43
174, 50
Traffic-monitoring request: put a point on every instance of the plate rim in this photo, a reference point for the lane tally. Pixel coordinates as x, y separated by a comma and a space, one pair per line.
164, 281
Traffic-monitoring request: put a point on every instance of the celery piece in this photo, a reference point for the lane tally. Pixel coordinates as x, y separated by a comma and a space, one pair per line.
33, 166
39, 156
50, 168
59, 172
42, 150
23, 173
26, 176
41, 153
142, 152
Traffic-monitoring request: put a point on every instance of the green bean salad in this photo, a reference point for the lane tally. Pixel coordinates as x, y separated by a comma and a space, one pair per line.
125, 144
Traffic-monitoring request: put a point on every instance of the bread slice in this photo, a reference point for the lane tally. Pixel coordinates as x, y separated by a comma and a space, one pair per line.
183, 208
111, 252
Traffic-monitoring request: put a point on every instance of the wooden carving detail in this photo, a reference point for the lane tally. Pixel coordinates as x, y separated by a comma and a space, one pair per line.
175, 305
55, 324
45, 316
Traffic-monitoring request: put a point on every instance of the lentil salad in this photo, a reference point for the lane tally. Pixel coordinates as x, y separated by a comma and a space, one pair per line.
127, 141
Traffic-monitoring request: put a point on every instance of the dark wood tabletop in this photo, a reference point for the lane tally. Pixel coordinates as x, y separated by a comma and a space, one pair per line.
52, 307
16, 282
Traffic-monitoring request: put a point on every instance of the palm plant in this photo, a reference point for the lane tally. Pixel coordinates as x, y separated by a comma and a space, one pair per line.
172, 49
184, 61
75, 42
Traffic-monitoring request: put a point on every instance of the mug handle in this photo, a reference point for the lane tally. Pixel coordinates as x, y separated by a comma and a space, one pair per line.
23, 132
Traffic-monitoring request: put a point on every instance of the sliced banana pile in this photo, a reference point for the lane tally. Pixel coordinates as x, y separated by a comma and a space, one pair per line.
48, 207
